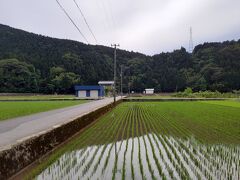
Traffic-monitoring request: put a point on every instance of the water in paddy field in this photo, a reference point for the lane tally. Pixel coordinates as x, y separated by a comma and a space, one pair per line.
147, 157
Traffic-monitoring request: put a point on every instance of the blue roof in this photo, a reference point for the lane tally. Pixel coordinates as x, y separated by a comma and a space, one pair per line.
78, 87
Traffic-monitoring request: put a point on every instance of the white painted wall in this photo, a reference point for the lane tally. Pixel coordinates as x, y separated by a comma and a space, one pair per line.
94, 94
149, 91
82, 94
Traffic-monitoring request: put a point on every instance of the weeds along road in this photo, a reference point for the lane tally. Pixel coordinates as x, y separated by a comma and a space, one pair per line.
17, 129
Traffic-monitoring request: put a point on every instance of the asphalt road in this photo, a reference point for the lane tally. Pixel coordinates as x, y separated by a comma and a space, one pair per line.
16, 130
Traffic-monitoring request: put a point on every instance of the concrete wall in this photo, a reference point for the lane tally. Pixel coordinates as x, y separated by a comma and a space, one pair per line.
23, 154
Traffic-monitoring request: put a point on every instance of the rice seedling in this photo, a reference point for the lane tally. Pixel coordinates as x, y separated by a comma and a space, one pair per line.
153, 140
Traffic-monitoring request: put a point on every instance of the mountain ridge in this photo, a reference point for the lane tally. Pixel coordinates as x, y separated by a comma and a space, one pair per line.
57, 62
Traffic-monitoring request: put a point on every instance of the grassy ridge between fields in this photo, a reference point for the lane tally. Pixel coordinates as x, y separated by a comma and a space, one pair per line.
16, 109
208, 123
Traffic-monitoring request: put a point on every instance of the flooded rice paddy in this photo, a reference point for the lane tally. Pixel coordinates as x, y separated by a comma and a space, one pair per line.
147, 157
152, 141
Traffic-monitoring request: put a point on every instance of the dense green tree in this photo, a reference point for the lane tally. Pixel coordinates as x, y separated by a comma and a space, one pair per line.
16, 76
49, 65
63, 82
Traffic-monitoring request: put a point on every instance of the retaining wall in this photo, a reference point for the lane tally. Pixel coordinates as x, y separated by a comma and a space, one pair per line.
19, 156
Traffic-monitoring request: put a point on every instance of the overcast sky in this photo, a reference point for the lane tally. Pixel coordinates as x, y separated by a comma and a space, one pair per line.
147, 26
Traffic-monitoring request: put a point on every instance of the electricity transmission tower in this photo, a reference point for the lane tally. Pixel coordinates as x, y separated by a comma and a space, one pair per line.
190, 41
115, 69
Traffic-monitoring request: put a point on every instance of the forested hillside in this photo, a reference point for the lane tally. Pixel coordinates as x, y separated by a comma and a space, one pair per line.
34, 63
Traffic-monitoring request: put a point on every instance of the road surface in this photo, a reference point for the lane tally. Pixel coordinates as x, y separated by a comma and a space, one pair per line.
16, 130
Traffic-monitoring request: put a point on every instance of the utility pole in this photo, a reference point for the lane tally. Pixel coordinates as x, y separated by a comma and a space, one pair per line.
121, 80
129, 84
115, 70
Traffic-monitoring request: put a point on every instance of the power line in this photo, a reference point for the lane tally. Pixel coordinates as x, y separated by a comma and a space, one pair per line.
114, 22
85, 21
111, 14
106, 13
99, 5
71, 20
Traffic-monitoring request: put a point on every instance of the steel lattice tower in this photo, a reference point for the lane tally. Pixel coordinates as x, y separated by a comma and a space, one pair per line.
190, 41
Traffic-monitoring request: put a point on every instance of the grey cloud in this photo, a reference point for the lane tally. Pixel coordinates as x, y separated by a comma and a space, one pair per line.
148, 26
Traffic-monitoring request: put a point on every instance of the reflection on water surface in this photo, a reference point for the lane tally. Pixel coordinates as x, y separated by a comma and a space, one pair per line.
154, 141
149, 156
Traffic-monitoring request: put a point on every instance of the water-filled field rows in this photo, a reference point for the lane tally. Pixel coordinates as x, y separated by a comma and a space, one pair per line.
148, 141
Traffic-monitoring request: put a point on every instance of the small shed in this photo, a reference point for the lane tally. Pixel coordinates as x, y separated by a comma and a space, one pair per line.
92, 92
108, 87
149, 91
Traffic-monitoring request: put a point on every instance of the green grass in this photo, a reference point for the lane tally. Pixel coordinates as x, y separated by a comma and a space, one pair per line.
188, 93
36, 97
211, 123
22, 108
156, 96
224, 103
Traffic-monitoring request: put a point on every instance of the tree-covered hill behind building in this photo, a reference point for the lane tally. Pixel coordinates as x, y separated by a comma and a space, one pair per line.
35, 63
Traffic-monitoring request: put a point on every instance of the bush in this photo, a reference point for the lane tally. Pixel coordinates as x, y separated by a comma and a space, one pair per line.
186, 93
207, 94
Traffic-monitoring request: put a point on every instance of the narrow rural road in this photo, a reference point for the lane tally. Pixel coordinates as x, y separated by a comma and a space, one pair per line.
17, 129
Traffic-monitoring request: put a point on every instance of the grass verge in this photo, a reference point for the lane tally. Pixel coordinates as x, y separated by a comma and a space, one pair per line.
22, 108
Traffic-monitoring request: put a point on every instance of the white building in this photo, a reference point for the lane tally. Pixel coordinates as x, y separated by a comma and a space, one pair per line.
108, 87
149, 91
106, 83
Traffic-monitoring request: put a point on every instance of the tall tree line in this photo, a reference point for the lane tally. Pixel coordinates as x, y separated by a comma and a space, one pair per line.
39, 64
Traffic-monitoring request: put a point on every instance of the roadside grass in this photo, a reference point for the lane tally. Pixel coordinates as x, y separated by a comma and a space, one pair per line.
15, 109
168, 126
78, 141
